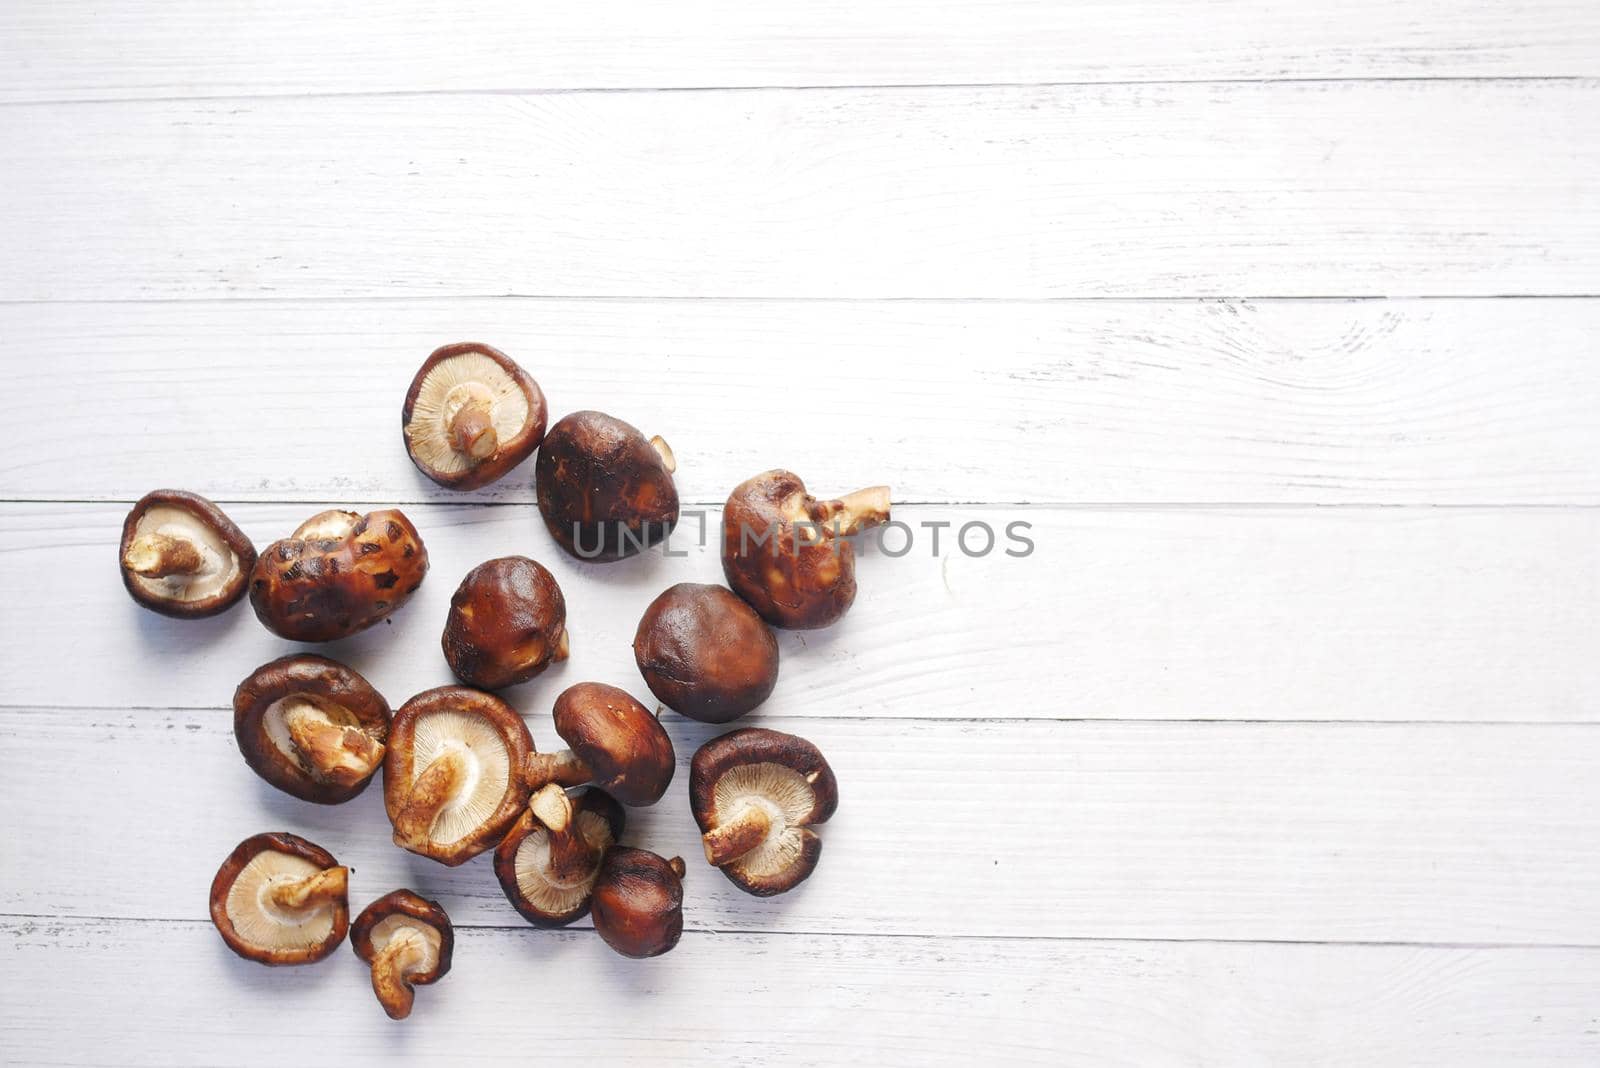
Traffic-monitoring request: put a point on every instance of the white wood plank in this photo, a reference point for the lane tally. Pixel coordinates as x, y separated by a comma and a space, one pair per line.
760, 999
76, 49
1392, 188
1304, 401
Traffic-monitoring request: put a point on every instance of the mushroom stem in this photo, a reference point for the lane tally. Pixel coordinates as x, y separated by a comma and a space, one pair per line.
160, 555
669, 461
678, 867
336, 754
563, 647
860, 510
472, 432
571, 856
565, 768
430, 791
727, 842
326, 886
406, 954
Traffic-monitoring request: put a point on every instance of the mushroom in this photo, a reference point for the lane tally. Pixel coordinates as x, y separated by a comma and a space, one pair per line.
337, 574
548, 863
755, 794
279, 899
789, 554
311, 726
638, 902
507, 623
471, 415
408, 941
705, 653
182, 557
604, 491
450, 781
615, 743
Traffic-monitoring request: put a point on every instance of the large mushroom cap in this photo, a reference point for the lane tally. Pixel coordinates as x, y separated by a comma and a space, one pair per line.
451, 781
548, 863
705, 653
756, 794
507, 623
312, 727
624, 745
604, 491
182, 557
279, 899
638, 902
409, 941
471, 415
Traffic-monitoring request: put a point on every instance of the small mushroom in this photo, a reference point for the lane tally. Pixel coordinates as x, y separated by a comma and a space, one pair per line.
638, 902
789, 554
182, 557
756, 794
548, 864
450, 781
507, 623
337, 574
408, 940
311, 726
471, 415
279, 899
615, 743
604, 491
705, 653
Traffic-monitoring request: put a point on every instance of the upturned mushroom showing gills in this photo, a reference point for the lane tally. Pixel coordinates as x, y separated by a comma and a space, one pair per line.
337, 574
616, 744
311, 727
638, 902
182, 557
408, 940
471, 415
507, 623
604, 491
789, 554
705, 653
548, 863
450, 776
279, 899
756, 794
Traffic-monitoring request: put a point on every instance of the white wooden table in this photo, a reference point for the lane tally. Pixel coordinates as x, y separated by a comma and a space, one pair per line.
1278, 325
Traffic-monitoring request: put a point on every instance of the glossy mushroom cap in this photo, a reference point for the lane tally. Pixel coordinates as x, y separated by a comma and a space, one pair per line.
756, 794
312, 727
548, 863
471, 415
605, 492
789, 554
507, 623
337, 574
450, 776
408, 940
278, 899
705, 653
638, 902
182, 557
616, 744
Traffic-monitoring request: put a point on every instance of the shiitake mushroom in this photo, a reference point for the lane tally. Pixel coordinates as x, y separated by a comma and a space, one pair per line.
705, 653
605, 492
507, 623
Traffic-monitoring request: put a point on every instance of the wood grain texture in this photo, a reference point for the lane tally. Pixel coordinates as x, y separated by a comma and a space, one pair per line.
1452, 402
1251, 189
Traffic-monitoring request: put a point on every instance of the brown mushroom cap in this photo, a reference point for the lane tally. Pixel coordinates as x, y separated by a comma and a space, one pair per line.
182, 557
705, 653
337, 574
471, 415
756, 794
507, 623
616, 743
789, 554
279, 899
638, 902
451, 781
605, 492
548, 863
408, 940
312, 727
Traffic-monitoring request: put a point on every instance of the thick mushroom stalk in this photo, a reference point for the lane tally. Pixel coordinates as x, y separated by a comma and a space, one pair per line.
431, 791
161, 555
571, 856
668, 460
472, 427
564, 768
324, 887
337, 754
404, 956
727, 842
858, 511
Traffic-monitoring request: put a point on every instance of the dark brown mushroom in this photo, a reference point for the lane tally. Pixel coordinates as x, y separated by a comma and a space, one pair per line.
507, 623
638, 902
604, 491
450, 776
705, 653
548, 863
311, 726
279, 899
616, 744
756, 794
789, 554
471, 415
337, 574
182, 557
408, 940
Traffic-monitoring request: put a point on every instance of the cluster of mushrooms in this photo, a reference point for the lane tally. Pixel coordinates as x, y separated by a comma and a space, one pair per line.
461, 773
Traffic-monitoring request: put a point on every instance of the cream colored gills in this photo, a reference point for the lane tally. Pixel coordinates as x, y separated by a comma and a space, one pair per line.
488, 769
263, 923
787, 799
220, 566
468, 378
385, 929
